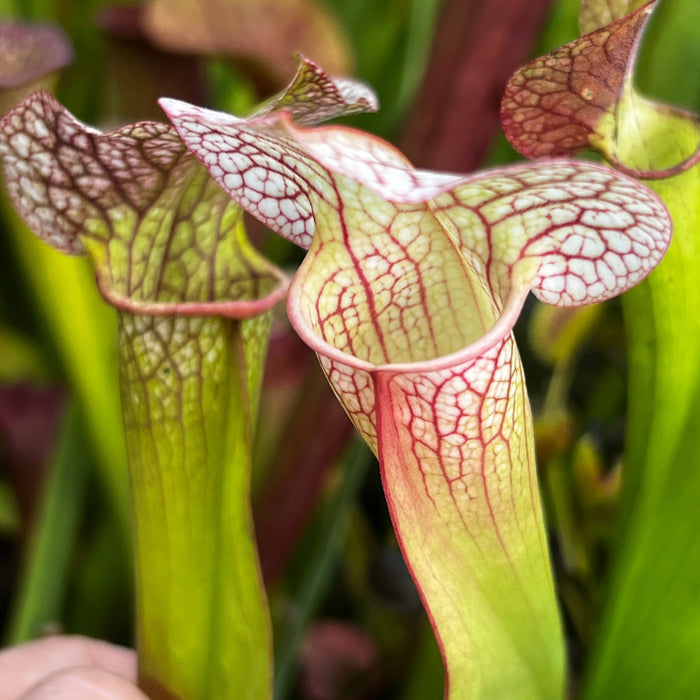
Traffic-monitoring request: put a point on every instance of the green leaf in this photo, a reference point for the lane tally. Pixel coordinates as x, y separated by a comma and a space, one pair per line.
46, 568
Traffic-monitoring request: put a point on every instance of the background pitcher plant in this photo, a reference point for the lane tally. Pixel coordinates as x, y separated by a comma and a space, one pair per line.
584, 94
408, 294
193, 296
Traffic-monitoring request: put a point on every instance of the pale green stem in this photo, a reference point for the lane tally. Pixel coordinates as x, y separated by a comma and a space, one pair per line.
661, 459
188, 391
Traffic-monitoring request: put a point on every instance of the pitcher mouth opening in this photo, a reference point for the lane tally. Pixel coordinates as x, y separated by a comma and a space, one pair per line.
499, 331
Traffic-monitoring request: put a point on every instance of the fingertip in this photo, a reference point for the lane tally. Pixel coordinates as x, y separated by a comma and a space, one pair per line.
84, 684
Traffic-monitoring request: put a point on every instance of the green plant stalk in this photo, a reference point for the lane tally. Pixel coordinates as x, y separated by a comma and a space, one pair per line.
189, 406
651, 607
45, 570
83, 330
420, 30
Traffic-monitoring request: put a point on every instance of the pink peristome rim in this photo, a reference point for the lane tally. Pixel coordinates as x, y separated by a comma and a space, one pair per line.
503, 326
236, 309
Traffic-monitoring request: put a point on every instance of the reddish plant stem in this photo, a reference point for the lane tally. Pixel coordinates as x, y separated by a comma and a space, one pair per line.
312, 441
477, 47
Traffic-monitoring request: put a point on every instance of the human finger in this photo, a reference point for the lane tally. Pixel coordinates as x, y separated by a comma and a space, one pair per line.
23, 666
